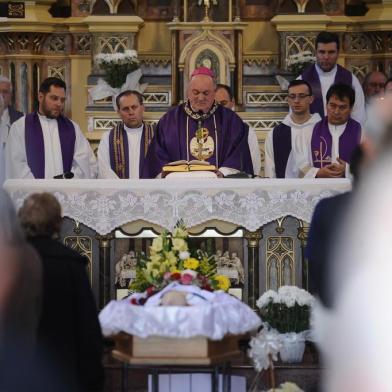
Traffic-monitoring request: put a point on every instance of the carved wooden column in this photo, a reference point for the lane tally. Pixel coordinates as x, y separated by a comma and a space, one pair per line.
303, 237
104, 268
253, 238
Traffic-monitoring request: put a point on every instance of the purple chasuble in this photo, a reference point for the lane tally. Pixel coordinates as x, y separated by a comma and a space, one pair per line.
35, 148
321, 143
281, 138
170, 141
312, 77
119, 149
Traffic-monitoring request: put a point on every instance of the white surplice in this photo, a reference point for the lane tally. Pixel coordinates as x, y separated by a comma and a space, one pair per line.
292, 169
327, 79
84, 164
254, 151
134, 136
302, 150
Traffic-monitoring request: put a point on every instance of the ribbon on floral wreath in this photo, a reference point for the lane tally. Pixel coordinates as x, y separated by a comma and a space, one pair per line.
103, 90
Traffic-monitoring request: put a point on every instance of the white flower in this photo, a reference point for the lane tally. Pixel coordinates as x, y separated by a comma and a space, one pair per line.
262, 346
184, 255
289, 295
179, 244
266, 298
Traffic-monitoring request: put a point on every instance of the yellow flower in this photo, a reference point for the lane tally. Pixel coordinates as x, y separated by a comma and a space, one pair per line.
155, 258
191, 263
179, 244
178, 232
171, 257
223, 282
157, 245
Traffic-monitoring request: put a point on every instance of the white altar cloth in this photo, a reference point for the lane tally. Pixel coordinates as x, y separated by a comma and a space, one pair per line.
105, 205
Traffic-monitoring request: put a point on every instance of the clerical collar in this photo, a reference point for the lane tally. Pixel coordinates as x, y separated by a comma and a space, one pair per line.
326, 73
43, 117
134, 130
337, 128
199, 116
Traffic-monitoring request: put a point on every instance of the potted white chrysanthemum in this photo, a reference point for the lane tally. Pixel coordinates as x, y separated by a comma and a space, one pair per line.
287, 311
296, 63
117, 66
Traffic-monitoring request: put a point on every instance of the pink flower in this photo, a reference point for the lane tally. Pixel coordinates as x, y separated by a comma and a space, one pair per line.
186, 279
167, 276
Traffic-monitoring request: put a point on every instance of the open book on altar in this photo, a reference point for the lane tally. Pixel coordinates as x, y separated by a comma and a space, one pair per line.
186, 166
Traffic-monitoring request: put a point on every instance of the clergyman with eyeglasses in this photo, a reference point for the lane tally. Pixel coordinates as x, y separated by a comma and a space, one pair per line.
326, 151
279, 157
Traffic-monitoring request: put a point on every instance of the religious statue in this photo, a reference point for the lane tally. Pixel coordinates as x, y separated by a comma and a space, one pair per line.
125, 270
230, 266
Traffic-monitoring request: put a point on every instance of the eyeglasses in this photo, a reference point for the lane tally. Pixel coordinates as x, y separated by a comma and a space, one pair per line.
299, 96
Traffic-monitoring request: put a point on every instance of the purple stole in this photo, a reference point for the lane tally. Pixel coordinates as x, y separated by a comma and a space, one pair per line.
35, 149
321, 143
281, 138
311, 76
119, 151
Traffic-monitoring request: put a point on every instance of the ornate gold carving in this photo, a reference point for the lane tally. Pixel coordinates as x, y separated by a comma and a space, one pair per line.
113, 44
83, 43
263, 125
358, 43
261, 61
280, 262
253, 237
157, 99
57, 44
155, 61
279, 228
83, 245
23, 42
57, 71
298, 43
360, 70
265, 99
16, 10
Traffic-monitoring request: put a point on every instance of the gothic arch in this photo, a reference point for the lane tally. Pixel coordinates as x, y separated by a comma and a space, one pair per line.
207, 42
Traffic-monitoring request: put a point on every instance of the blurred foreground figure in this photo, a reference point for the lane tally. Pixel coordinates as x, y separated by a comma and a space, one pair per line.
20, 302
69, 334
355, 336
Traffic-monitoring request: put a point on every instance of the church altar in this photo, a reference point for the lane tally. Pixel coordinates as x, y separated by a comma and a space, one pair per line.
95, 208
105, 205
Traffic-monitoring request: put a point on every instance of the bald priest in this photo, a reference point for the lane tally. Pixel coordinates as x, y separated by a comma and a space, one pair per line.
200, 129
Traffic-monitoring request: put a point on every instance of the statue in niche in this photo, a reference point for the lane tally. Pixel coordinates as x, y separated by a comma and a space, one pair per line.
207, 58
125, 270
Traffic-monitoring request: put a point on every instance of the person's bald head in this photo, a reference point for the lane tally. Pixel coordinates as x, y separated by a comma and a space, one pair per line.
201, 91
373, 84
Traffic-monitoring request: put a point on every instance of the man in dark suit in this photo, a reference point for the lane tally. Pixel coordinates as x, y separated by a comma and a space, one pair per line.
327, 218
69, 335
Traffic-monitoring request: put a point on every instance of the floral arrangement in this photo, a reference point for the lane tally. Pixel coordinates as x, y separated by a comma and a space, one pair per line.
117, 66
296, 63
286, 387
286, 310
171, 260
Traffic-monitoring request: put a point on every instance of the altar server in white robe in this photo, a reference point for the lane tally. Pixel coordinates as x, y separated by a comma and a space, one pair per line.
122, 150
224, 95
279, 157
325, 151
326, 72
46, 144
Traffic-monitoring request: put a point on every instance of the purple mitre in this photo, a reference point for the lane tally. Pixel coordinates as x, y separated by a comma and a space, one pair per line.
170, 141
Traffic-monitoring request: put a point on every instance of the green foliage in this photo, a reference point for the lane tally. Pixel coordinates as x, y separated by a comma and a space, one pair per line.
286, 319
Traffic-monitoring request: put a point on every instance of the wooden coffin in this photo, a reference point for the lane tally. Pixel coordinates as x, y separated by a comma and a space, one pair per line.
162, 350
